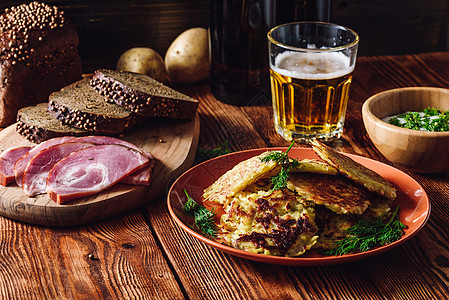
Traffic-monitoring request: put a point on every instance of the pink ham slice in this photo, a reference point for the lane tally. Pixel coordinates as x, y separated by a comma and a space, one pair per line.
22, 163
92, 170
108, 140
7, 162
141, 177
34, 180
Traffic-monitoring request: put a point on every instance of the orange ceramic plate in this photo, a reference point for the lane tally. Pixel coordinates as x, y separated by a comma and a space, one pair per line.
412, 199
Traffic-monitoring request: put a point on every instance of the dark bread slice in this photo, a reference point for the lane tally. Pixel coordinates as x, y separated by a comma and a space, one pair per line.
36, 124
79, 105
143, 95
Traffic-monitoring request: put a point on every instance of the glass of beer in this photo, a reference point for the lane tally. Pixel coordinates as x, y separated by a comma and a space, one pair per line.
311, 66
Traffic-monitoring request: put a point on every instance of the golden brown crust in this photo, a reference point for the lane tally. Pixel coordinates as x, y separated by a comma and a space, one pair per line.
238, 178
355, 171
334, 192
273, 223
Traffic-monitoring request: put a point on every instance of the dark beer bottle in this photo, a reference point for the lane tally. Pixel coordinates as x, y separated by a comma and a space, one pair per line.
239, 72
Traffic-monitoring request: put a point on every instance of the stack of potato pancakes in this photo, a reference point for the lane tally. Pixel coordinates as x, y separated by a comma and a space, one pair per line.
322, 199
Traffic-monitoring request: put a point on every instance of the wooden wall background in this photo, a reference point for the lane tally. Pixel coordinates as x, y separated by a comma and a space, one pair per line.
108, 27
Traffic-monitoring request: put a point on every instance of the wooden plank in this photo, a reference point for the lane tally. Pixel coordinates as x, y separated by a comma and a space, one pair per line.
115, 259
225, 123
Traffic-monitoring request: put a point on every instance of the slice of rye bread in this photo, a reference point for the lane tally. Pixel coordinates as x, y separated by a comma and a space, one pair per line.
143, 95
79, 105
36, 124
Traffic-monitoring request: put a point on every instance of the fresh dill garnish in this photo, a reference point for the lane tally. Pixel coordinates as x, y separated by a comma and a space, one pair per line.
431, 111
280, 181
367, 235
286, 162
204, 154
395, 121
204, 218
413, 120
430, 119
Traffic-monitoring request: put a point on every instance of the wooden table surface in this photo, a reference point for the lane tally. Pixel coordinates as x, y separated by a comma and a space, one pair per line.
144, 254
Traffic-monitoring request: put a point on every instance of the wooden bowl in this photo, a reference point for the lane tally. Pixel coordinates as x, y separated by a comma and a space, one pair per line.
419, 151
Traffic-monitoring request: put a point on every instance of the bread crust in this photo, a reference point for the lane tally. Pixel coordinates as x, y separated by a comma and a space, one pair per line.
168, 104
37, 125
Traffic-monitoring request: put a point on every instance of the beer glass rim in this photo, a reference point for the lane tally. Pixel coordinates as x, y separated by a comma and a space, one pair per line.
330, 49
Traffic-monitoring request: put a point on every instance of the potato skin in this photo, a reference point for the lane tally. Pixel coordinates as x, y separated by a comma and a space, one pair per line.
144, 61
187, 58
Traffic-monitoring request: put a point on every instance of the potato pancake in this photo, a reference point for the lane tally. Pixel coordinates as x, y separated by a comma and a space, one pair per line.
334, 192
238, 178
355, 171
272, 223
313, 166
332, 227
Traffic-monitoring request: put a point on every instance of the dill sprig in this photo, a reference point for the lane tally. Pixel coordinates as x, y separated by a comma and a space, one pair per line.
367, 235
204, 218
204, 154
286, 162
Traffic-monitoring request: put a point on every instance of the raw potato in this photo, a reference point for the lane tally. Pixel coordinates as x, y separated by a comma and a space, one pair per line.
187, 58
144, 61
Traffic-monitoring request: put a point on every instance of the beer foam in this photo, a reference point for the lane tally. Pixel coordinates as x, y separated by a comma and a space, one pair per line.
312, 65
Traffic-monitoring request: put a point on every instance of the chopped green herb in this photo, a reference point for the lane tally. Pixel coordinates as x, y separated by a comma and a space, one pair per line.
204, 218
367, 235
206, 154
413, 120
430, 119
431, 111
286, 162
395, 121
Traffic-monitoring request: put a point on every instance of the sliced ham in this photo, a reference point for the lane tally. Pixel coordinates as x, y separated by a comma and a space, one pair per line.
92, 170
30, 166
7, 162
108, 140
141, 177
22, 163
34, 179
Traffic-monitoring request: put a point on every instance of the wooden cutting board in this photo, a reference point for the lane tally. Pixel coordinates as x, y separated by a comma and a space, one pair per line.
173, 143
